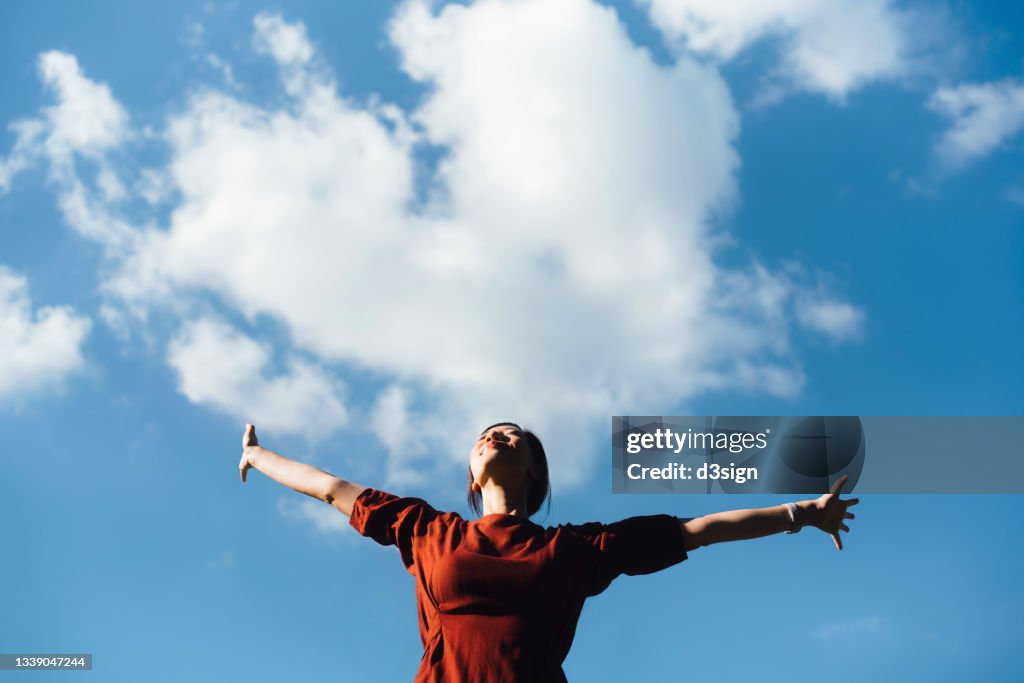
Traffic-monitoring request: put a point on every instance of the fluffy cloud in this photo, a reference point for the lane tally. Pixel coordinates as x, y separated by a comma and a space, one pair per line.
86, 120
286, 43
220, 367
39, 348
830, 47
982, 117
84, 125
558, 268
27, 141
836, 319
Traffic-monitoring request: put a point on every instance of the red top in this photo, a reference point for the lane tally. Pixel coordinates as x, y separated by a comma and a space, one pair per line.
499, 598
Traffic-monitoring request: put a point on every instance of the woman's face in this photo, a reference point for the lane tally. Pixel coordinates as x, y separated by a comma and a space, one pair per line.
500, 452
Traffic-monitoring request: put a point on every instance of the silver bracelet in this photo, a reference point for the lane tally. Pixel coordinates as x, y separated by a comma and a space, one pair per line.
794, 514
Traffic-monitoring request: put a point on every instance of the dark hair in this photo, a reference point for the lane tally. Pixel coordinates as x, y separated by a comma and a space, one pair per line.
540, 489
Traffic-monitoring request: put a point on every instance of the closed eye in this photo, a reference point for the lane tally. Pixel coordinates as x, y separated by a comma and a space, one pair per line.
508, 431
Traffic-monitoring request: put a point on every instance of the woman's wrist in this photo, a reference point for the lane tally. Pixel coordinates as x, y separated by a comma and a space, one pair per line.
252, 454
809, 513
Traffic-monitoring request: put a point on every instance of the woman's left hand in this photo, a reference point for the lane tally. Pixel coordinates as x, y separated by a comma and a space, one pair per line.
830, 511
249, 443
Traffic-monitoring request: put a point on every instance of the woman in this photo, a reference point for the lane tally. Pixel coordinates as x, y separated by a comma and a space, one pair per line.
499, 598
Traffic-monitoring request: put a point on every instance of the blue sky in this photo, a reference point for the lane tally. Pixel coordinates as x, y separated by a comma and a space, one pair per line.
374, 228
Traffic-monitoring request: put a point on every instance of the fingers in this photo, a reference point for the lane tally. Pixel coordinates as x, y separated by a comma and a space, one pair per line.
838, 485
837, 505
241, 473
837, 539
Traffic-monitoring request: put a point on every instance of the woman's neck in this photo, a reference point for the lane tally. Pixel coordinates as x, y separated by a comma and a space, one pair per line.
499, 499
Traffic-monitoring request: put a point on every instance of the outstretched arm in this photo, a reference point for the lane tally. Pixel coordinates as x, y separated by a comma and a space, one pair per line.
303, 478
826, 513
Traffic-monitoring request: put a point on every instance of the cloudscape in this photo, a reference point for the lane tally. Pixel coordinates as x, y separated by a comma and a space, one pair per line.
372, 229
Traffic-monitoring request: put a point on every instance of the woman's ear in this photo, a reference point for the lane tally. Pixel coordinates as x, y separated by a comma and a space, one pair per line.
475, 487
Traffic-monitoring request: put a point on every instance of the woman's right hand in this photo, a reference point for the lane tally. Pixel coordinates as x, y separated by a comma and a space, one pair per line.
249, 445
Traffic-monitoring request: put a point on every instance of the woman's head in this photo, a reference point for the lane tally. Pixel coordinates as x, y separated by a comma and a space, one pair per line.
513, 455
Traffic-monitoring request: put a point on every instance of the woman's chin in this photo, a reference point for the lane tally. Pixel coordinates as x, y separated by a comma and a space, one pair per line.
503, 467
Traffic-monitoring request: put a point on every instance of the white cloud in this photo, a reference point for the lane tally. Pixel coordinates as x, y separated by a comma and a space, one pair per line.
830, 47
325, 518
39, 348
153, 186
393, 423
286, 43
414, 435
559, 269
225, 70
86, 120
836, 319
86, 123
27, 137
220, 367
982, 116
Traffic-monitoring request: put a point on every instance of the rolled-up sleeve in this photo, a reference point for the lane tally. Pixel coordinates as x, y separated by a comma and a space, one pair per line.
391, 520
637, 545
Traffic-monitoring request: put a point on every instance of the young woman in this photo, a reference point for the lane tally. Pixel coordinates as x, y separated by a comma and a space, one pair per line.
499, 597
